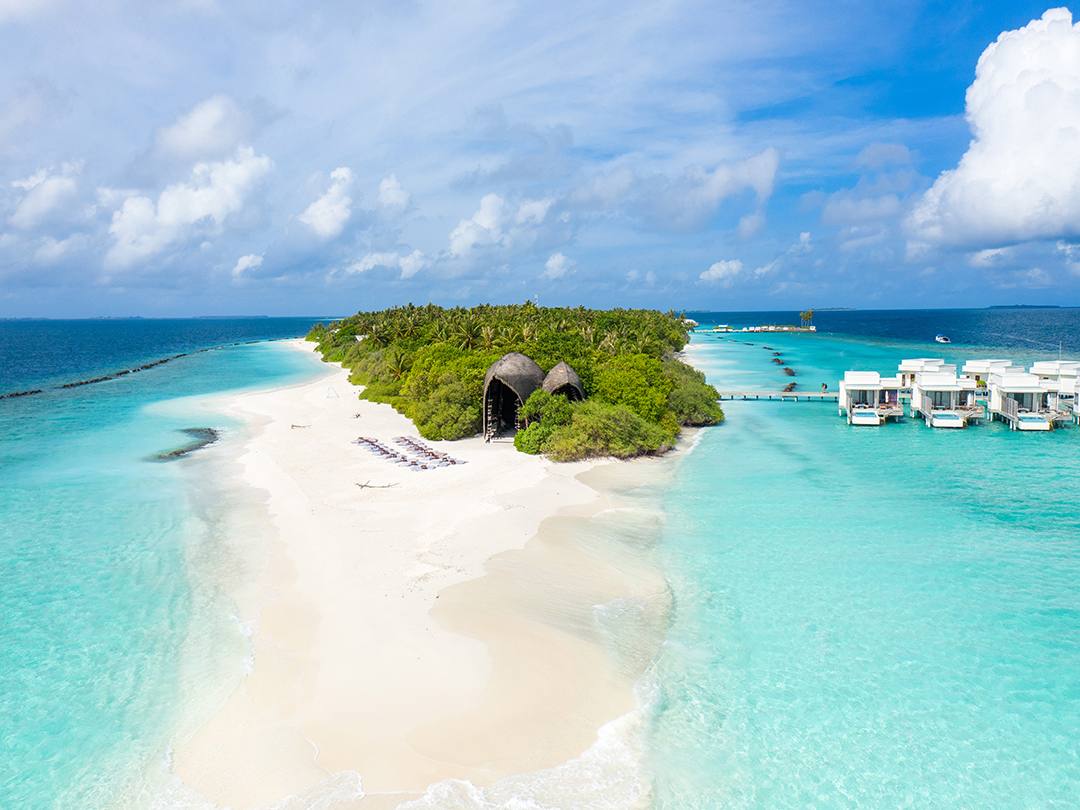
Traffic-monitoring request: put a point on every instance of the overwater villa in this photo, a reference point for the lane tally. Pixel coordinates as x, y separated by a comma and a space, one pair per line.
868, 399
980, 371
909, 368
1019, 399
944, 400
1058, 378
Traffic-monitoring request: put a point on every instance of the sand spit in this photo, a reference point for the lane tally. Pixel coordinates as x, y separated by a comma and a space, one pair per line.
419, 629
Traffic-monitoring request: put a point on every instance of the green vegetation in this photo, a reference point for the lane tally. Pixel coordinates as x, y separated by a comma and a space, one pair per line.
429, 364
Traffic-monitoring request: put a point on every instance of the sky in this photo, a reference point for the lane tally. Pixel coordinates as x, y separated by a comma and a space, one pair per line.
191, 157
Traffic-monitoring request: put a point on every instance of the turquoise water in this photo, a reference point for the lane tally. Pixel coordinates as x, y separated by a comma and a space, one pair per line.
97, 601
863, 618
867, 617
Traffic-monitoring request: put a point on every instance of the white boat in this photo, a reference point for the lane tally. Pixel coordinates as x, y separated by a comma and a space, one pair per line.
942, 339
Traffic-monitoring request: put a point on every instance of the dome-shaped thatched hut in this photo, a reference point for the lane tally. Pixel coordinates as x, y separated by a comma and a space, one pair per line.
508, 383
562, 379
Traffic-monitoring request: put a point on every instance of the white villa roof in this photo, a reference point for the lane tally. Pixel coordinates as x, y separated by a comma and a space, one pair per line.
985, 366
1019, 382
862, 379
1056, 368
920, 364
942, 381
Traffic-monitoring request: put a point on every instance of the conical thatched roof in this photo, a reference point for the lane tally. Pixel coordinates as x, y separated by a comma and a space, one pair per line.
517, 372
562, 376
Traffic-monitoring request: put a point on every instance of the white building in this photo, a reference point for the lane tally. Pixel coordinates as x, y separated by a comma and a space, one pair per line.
909, 368
869, 399
944, 400
1019, 399
980, 370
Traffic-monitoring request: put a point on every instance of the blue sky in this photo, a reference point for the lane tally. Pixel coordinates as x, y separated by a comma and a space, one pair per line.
196, 157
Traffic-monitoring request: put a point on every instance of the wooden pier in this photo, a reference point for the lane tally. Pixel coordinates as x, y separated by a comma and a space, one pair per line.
808, 396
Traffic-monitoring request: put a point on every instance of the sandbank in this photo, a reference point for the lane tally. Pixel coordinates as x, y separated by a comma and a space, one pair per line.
422, 628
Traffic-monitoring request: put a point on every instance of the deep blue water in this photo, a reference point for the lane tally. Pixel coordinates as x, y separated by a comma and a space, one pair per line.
1027, 330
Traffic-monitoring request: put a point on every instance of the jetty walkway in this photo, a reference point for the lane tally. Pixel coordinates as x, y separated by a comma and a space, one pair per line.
809, 396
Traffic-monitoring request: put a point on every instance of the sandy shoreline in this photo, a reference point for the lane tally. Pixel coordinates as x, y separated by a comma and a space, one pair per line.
416, 633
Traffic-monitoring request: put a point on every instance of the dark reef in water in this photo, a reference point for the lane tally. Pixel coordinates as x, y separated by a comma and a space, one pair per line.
202, 438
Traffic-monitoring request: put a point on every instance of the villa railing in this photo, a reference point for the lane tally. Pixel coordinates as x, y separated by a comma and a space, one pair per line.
1009, 406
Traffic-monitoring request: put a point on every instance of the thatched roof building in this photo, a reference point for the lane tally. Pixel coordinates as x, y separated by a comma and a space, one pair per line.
562, 379
508, 383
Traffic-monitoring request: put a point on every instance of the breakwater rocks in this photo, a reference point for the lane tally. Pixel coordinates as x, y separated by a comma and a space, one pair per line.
124, 372
202, 438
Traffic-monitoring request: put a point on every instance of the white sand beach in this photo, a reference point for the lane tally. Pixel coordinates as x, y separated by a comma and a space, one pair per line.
415, 630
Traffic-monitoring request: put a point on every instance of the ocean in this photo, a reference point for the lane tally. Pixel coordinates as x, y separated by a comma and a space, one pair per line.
871, 618
99, 605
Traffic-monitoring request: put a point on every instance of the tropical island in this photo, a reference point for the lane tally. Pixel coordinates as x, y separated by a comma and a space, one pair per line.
615, 385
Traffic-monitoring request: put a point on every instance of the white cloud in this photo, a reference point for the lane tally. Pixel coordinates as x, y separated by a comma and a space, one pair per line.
1020, 178
498, 223
53, 250
142, 229
409, 265
1072, 257
246, 263
328, 214
413, 264
991, 257
212, 128
45, 193
373, 260
723, 271
751, 224
557, 266
392, 196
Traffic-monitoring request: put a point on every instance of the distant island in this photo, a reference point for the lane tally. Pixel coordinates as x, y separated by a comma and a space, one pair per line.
568, 383
1025, 306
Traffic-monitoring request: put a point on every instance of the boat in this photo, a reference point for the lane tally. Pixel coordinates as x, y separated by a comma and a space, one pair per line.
942, 339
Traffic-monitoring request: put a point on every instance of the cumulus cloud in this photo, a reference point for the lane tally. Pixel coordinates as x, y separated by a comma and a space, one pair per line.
413, 264
557, 266
724, 272
142, 229
500, 224
211, 128
246, 263
1020, 178
409, 265
46, 191
328, 214
392, 196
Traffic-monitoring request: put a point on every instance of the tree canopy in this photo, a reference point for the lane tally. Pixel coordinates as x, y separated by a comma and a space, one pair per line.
429, 363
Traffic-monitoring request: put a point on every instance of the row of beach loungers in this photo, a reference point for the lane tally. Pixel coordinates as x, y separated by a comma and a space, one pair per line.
427, 458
